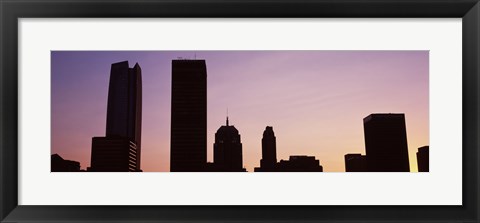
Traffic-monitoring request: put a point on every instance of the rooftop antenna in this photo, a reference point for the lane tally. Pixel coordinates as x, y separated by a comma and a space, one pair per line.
227, 116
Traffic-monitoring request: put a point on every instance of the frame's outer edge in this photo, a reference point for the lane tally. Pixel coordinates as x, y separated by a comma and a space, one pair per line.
471, 105
241, 8
10, 11
8, 112
477, 137
3, 203
3, 210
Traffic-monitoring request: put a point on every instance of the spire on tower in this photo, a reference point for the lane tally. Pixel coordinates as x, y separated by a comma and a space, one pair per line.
227, 116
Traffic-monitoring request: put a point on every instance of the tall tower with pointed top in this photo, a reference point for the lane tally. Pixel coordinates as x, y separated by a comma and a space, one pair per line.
188, 139
227, 150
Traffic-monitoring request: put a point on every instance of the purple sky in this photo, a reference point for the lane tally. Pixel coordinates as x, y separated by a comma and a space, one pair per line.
315, 100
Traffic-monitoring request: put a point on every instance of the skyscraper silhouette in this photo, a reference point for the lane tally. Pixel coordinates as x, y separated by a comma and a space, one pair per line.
120, 149
355, 163
423, 159
227, 150
188, 140
269, 150
386, 143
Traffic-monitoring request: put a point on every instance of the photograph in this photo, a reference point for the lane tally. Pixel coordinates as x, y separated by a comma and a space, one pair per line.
240, 111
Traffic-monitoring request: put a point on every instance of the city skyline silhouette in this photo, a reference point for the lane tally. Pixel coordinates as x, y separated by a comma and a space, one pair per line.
300, 100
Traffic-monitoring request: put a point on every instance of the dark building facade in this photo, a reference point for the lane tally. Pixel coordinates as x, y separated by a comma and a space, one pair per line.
386, 143
423, 159
188, 139
299, 164
269, 163
124, 121
227, 150
58, 164
355, 163
269, 150
113, 154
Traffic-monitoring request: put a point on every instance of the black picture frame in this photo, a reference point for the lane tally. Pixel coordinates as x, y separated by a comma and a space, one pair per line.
12, 10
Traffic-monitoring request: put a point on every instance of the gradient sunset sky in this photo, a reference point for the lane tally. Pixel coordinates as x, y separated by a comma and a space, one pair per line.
315, 100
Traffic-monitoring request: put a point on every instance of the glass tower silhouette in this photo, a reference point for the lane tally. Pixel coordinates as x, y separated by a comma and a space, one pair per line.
120, 149
188, 139
386, 143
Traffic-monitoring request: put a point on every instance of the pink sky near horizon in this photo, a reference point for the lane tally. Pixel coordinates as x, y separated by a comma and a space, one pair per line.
315, 100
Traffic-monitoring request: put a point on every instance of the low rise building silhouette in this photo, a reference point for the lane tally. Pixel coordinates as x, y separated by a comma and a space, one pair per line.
300, 164
113, 154
58, 164
355, 163
423, 161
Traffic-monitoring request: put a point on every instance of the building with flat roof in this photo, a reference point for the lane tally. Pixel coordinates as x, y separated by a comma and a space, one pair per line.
113, 154
355, 163
423, 161
386, 143
188, 139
